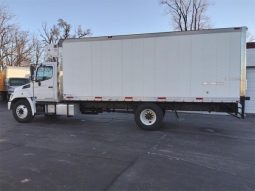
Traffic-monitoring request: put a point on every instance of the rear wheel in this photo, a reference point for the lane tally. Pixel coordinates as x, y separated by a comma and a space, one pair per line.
148, 116
22, 111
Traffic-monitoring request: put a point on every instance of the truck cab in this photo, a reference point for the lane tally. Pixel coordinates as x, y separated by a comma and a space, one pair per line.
25, 99
46, 82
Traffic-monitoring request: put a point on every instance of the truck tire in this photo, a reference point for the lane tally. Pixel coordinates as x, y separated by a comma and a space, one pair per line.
22, 111
148, 116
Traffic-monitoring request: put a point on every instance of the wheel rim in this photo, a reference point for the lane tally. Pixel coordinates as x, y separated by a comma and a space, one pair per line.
148, 117
22, 111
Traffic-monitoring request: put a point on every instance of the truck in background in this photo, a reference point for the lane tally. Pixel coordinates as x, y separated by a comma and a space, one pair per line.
12, 77
13, 83
145, 73
15, 77
3, 91
250, 102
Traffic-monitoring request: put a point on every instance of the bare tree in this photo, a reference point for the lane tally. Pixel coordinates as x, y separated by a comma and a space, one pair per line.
81, 33
15, 45
19, 49
37, 51
65, 29
62, 30
50, 35
188, 14
5, 34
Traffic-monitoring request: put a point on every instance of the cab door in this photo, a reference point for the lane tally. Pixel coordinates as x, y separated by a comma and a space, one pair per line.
44, 86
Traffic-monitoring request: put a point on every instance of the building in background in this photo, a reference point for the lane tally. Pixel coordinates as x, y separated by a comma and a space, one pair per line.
250, 104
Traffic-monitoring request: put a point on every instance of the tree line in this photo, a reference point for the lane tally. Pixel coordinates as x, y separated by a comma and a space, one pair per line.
19, 47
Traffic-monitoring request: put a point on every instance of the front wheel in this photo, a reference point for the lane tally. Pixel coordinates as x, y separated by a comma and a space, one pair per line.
148, 116
22, 111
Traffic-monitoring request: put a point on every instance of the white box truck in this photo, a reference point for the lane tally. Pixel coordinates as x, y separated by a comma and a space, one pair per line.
12, 77
146, 73
15, 77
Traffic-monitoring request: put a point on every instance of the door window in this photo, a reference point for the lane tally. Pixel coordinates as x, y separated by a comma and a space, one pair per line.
44, 73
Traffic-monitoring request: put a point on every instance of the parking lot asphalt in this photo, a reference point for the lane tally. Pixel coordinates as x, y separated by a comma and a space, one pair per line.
107, 152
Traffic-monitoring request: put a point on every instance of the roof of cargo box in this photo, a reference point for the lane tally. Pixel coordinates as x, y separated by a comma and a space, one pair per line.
151, 35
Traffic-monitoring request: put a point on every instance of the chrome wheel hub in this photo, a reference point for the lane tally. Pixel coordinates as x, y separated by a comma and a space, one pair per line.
22, 111
148, 117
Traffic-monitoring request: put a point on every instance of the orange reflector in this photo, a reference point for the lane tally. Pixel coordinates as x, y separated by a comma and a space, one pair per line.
161, 98
128, 98
98, 98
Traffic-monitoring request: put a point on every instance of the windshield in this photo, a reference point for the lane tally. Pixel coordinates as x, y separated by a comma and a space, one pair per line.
18, 81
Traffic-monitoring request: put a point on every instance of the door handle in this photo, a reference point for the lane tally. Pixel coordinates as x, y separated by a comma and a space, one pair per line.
50, 87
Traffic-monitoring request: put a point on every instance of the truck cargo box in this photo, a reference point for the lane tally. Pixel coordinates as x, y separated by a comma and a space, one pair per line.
17, 72
207, 65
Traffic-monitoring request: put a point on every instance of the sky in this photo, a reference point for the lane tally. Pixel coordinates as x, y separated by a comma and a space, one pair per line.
115, 17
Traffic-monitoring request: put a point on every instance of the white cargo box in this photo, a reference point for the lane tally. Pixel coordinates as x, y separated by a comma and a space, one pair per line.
207, 66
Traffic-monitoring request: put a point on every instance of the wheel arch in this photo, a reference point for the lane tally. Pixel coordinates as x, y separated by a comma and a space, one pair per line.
29, 100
